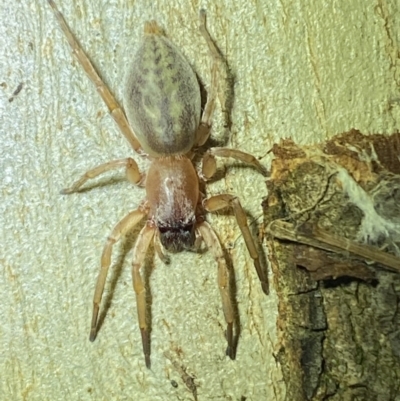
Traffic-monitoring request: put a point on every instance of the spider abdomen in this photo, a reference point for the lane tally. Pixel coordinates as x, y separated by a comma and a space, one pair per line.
162, 96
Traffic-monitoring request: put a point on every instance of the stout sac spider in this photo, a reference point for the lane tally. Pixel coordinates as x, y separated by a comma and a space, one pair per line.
163, 106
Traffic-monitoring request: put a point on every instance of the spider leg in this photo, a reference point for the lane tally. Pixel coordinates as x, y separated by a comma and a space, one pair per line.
203, 131
139, 252
209, 165
125, 225
213, 244
164, 257
108, 98
218, 202
131, 170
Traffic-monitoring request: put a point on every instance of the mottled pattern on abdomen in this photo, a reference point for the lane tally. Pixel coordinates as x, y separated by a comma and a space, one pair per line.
162, 98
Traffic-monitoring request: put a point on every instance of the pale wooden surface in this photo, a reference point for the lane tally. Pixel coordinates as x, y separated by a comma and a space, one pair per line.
301, 70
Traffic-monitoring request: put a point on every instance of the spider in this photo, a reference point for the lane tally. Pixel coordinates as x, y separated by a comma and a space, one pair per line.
163, 106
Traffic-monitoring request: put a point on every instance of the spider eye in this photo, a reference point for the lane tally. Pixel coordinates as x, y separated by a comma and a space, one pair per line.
177, 237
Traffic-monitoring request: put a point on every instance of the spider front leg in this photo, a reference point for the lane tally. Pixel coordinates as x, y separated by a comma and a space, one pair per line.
131, 170
108, 98
139, 252
203, 132
213, 244
209, 165
125, 225
225, 200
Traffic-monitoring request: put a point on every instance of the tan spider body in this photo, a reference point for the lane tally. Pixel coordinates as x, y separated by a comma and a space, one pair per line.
163, 105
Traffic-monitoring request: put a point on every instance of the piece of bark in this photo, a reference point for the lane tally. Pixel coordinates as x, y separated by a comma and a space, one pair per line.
339, 339
324, 265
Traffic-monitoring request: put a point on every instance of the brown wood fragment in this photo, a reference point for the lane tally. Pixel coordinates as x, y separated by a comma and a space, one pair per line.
324, 265
339, 320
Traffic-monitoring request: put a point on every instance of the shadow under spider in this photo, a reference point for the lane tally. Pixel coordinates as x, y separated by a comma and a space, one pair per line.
104, 182
231, 267
233, 295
